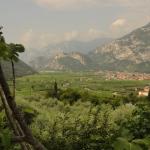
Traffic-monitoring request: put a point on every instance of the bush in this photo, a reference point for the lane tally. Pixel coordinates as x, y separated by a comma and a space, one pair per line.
70, 95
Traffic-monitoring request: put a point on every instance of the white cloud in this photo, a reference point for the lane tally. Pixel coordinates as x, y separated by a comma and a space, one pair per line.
120, 27
77, 4
119, 23
63, 4
33, 39
90, 34
135, 13
27, 37
68, 36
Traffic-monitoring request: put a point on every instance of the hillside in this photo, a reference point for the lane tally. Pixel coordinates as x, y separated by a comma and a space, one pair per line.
21, 69
129, 53
74, 61
33, 56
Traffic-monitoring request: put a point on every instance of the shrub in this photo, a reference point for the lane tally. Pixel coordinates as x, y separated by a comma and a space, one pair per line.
70, 95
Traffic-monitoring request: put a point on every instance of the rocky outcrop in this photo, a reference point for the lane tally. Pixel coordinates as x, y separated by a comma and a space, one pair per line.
132, 50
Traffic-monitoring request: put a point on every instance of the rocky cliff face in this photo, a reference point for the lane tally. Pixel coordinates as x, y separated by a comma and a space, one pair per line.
32, 56
53, 63
132, 50
70, 61
130, 53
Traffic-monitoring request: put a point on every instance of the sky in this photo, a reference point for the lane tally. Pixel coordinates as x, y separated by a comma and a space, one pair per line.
38, 23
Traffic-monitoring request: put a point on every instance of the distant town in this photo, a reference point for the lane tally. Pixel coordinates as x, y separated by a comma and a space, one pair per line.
111, 75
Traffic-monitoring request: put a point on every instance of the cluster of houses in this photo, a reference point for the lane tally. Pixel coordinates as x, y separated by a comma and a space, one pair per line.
144, 92
110, 75
141, 92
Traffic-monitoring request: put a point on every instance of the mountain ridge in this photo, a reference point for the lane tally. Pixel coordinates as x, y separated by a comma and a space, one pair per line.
32, 56
21, 69
70, 61
129, 53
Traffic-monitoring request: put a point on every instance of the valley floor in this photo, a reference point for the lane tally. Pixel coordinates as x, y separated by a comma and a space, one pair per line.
76, 111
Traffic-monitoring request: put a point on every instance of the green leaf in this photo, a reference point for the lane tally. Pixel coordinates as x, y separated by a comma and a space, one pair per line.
134, 147
145, 141
6, 139
124, 144
121, 144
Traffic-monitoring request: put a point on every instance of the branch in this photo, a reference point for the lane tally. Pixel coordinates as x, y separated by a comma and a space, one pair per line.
18, 139
17, 114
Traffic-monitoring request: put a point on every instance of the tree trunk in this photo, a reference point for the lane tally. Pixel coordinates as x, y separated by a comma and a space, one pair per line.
10, 120
18, 115
14, 78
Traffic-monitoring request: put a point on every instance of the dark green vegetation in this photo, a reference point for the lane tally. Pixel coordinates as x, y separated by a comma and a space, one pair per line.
71, 111
21, 133
88, 82
20, 67
78, 111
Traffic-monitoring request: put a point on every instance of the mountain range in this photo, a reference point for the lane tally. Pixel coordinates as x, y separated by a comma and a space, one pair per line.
74, 61
33, 56
129, 53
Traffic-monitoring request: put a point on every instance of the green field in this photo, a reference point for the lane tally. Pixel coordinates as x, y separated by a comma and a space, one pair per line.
81, 81
86, 116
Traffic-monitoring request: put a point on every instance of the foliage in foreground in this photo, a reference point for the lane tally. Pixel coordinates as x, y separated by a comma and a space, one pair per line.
83, 125
78, 119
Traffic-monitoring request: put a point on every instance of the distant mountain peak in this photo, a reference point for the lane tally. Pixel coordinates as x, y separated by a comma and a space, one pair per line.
130, 53
127, 53
64, 47
74, 61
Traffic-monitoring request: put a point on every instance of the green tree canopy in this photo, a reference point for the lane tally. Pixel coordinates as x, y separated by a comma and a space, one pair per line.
9, 51
14, 50
4, 51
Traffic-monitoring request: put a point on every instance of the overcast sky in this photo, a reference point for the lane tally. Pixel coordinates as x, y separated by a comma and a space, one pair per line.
37, 23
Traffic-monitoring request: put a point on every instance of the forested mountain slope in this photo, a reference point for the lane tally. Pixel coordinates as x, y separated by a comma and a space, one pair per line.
21, 69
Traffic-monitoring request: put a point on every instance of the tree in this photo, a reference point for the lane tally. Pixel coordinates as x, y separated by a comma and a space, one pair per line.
124, 144
14, 49
55, 90
7, 54
3, 47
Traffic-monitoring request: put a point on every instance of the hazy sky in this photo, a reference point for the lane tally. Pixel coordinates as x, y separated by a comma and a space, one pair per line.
37, 23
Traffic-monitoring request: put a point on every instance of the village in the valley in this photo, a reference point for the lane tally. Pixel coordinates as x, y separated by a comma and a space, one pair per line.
144, 92
131, 76
112, 75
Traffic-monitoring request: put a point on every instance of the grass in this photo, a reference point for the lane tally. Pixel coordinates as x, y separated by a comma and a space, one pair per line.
94, 83
63, 126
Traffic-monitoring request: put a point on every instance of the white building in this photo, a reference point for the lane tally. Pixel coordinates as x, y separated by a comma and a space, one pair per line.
144, 92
